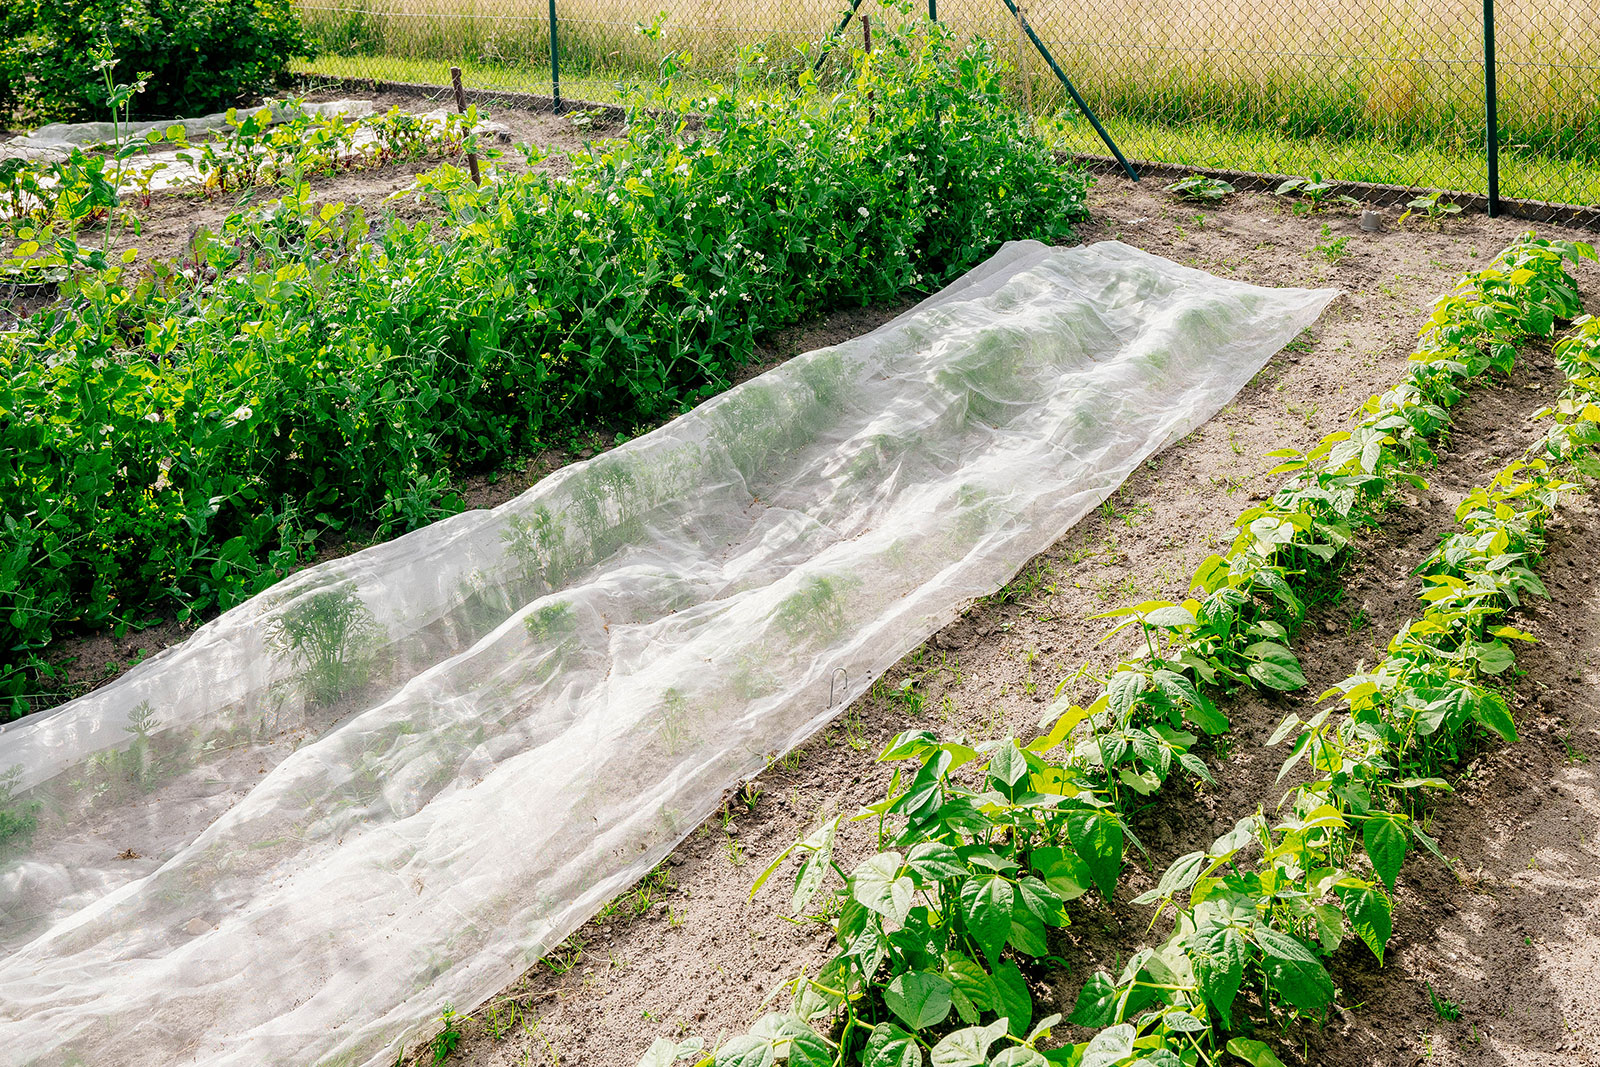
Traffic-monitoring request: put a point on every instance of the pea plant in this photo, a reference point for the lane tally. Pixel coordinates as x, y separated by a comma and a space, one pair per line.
277, 144
179, 434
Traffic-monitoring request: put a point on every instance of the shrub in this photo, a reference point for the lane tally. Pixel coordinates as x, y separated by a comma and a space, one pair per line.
201, 54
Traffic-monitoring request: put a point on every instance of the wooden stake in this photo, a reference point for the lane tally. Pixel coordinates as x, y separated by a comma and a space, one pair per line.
461, 106
866, 43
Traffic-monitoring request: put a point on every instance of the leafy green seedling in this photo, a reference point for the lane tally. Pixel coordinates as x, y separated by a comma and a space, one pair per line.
1332, 248
1444, 1007
448, 1039
1201, 188
1314, 193
1433, 208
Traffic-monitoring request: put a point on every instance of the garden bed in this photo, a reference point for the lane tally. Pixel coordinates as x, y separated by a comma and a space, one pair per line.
688, 952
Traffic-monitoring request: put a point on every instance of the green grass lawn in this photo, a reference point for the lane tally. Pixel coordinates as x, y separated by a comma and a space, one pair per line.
1523, 174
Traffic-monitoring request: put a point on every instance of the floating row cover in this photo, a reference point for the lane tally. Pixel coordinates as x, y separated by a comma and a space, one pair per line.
394, 780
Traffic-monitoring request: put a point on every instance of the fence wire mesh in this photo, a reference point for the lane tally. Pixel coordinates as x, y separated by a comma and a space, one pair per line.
1390, 92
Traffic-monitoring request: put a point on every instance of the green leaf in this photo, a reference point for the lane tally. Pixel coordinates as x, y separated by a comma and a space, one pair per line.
986, 905
1303, 985
664, 1052
919, 999
746, 1051
1097, 1002
809, 879
1019, 1056
972, 990
1178, 877
909, 744
1274, 666
809, 1049
1172, 615
1369, 914
1290, 724
968, 1047
1495, 657
1097, 836
1123, 691
935, 861
1386, 844
1040, 901
1219, 968
1181, 1022
1012, 999
1062, 870
890, 1046
1490, 710
1205, 715
1027, 934
1109, 1047
1294, 970
1144, 784
1329, 922
1279, 945
1255, 1053
878, 884
1008, 764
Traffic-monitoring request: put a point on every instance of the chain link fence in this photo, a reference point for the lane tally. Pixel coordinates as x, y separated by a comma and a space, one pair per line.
1387, 93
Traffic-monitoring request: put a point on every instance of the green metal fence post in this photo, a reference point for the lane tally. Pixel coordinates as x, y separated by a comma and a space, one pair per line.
1491, 110
555, 62
822, 53
933, 10
1083, 106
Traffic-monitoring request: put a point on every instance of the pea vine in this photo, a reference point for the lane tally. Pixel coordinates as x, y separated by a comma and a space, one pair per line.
176, 436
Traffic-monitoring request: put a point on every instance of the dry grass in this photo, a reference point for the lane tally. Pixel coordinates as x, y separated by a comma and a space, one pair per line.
1402, 72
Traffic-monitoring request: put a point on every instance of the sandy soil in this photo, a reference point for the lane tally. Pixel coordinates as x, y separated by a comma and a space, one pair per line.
689, 952
1511, 935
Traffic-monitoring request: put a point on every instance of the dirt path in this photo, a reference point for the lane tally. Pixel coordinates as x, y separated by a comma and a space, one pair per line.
688, 952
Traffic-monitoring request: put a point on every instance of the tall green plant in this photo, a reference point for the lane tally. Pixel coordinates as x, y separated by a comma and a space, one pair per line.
175, 436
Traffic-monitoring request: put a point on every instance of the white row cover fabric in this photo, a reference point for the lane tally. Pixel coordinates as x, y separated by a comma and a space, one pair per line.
167, 169
64, 136
393, 781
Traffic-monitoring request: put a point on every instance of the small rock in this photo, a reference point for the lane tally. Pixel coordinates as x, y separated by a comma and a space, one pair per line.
196, 926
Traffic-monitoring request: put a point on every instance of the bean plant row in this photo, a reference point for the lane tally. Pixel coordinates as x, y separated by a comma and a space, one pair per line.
179, 435
1264, 905
978, 850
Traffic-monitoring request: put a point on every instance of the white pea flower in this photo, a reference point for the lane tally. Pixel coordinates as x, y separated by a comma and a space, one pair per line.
863, 212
